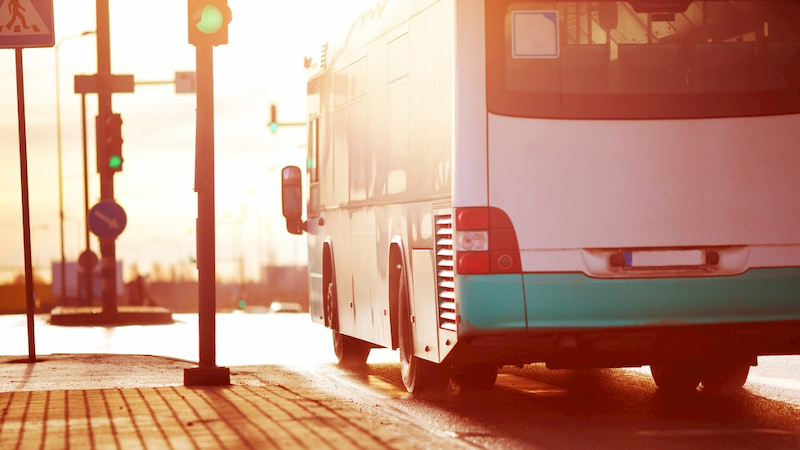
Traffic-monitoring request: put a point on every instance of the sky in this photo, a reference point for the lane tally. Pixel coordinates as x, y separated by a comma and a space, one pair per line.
262, 64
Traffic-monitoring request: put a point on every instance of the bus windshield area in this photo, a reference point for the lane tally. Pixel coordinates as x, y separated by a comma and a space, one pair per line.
643, 59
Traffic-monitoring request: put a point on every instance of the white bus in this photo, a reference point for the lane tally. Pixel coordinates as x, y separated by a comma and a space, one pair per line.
578, 183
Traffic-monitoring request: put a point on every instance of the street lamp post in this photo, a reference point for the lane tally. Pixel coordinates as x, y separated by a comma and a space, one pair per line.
60, 168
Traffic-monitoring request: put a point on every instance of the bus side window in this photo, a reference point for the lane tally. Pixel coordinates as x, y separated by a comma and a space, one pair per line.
313, 150
312, 166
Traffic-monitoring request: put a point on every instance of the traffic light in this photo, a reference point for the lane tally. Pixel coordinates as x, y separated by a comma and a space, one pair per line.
273, 118
109, 143
208, 22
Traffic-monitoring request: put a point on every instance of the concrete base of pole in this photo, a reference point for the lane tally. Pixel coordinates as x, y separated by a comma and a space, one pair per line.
207, 376
96, 316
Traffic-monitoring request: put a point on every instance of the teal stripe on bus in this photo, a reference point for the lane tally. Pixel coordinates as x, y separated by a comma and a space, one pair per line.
490, 303
496, 303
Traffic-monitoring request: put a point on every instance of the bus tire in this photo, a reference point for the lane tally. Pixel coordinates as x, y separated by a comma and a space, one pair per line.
350, 352
725, 375
676, 376
419, 375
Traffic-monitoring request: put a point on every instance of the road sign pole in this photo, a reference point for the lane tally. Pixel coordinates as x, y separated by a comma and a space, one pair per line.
26, 215
29, 25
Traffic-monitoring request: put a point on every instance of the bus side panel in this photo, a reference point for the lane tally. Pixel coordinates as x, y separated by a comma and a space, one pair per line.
386, 133
315, 296
337, 227
369, 299
426, 314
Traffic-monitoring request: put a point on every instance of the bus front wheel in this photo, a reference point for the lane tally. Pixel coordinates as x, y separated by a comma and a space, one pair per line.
419, 375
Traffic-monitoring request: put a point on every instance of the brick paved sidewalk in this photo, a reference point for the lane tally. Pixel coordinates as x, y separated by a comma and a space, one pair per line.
181, 417
142, 404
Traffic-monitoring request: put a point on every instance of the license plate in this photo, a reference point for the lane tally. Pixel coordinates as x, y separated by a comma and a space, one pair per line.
664, 258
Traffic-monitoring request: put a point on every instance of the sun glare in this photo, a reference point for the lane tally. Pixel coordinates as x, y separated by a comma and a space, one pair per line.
261, 65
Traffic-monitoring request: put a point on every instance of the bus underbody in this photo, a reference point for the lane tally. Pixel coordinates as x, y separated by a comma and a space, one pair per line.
631, 347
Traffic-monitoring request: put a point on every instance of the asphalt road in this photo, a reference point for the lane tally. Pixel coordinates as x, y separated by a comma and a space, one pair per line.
530, 407
537, 408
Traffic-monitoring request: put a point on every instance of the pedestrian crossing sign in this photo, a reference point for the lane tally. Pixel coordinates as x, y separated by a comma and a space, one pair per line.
26, 23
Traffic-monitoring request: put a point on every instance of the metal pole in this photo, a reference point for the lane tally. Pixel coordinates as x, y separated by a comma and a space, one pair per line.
108, 265
26, 215
206, 252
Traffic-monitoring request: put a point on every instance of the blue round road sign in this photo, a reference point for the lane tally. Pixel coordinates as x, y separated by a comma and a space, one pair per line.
107, 219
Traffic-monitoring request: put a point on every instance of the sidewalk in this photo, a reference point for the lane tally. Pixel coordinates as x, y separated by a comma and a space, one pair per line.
123, 401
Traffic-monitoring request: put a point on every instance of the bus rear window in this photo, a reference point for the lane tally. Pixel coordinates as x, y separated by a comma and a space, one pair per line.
643, 59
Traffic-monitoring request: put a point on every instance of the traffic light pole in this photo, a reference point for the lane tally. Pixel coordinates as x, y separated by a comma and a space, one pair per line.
108, 262
208, 373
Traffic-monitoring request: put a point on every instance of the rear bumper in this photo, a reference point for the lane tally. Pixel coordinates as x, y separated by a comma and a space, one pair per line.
574, 320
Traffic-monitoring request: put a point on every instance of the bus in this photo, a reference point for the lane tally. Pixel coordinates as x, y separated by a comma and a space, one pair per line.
584, 184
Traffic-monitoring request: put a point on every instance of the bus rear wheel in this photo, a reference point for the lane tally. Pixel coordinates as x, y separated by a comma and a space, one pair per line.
350, 352
726, 375
676, 376
419, 375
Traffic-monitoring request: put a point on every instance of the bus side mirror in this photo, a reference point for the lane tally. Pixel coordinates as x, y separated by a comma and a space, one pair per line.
292, 199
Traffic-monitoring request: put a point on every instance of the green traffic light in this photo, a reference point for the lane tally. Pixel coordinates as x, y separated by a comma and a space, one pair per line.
210, 20
273, 127
115, 162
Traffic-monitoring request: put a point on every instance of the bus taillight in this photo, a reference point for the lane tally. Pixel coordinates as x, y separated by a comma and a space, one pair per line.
485, 242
